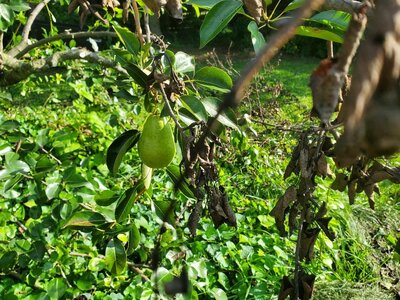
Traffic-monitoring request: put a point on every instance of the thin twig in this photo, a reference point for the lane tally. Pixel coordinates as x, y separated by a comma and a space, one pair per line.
137, 21
27, 28
297, 265
146, 24
51, 155
169, 108
66, 36
1, 41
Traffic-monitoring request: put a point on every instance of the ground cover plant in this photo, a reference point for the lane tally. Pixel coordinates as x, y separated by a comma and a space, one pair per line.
132, 176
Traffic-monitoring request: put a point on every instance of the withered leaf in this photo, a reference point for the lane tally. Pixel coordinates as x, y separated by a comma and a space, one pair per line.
308, 238
308, 216
321, 211
155, 5
306, 286
178, 285
293, 213
278, 212
174, 7
378, 176
323, 168
194, 217
293, 163
286, 288
231, 217
324, 223
125, 11
369, 191
255, 9
352, 191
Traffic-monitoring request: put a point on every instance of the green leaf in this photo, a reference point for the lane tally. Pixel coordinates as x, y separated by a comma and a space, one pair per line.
124, 206
86, 281
6, 17
17, 166
217, 18
37, 251
184, 62
10, 183
137, 75
194, 106
337, 19
214, 78
204, 3
52, 190
227, 118
19, 5
294, 5
134, 239
165, 210
8, 260
174, 173
319, 33
129, 39
56, 288
257, 39
9, 125
219, 294
106, 198
115, 257
85, 219
119, 147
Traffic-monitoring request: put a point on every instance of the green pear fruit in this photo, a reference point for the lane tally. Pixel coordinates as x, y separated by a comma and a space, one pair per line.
156, 144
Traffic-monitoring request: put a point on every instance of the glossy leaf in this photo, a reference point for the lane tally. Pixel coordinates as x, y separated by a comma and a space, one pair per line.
175, 175
164, 210
257, 39
214, 78
184, 62
6, 17
85, 219
106, 197
194, 106
336, 19
227, 118
294, 5
124, 206
217, 18
115, 257
319, 33
119, 147
19, 5
134, 239
140, 77
129, 39
7, 260
56, 288
204, 3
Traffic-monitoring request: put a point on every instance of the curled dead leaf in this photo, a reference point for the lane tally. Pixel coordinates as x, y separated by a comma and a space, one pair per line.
323, 168
255, 9
174, 7
278, 212
194, 217
352, 191
308, 238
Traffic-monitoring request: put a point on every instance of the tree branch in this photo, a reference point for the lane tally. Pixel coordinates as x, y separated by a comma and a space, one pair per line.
28, 27
16, 70
65, 36
349, 6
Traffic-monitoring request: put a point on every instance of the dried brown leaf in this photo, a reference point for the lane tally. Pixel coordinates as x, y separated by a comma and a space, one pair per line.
369, 191
174, 7
278, 212
324, 223
194, 217
352, 191
286, 288
255, 9
321, 211
293, 163
323, 168
308, 238
306, 286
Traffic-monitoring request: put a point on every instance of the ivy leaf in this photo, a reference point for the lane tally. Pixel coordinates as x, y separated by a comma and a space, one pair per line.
119, 147
56, 288
6, 17
129, 39
124, 206
217, 18
134, 239
214, 78
85, 220
8, 260
115, 257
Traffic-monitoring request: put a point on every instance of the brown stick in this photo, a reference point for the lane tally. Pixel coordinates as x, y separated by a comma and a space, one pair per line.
137, 22
66, 36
